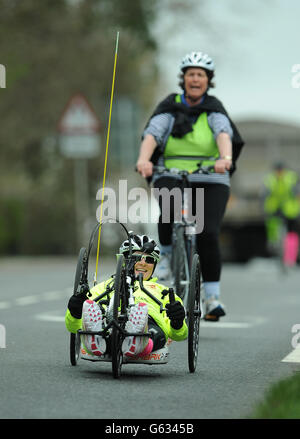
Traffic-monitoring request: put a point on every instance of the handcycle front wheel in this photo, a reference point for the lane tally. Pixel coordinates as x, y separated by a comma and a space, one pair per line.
116, 336
194, 313
74, 348
81, 268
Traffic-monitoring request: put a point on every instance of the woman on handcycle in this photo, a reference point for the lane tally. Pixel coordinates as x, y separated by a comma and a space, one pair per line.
186, 129
144, 317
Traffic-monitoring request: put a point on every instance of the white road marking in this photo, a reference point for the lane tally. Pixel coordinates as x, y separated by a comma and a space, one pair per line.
26, 300
49, 318
32, 299
292, 357
5, 305
224, 325
52, 295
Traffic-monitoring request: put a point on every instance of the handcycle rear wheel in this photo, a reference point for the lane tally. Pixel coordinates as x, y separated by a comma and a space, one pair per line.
194, 313
116, 336
74, 348
81, 271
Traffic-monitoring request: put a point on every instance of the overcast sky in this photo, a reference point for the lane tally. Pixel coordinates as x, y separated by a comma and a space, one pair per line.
254, 45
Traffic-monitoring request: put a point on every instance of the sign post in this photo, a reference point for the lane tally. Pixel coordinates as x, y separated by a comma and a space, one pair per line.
79, 139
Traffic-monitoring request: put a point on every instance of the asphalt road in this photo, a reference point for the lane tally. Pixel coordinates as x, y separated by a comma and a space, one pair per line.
239, 357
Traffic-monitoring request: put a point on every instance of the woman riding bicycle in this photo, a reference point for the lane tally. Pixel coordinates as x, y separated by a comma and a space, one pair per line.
186, 129
143, 317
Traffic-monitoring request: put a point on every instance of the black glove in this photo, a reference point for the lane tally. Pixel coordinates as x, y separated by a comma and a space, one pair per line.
176, 313
75, 305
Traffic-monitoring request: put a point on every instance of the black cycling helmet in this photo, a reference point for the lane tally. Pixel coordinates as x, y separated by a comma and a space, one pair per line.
142, 243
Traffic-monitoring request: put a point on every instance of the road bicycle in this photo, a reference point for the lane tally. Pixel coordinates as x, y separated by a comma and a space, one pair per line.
185, 262
183, 231
121, 293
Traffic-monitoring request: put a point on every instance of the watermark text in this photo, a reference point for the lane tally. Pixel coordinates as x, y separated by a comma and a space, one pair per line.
296, 78
2, 76
2, 336
296, 338
174, 204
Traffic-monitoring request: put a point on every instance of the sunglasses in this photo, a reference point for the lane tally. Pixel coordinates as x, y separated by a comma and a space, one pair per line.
147, 259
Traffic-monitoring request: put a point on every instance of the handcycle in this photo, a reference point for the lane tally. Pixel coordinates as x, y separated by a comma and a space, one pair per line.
116, 316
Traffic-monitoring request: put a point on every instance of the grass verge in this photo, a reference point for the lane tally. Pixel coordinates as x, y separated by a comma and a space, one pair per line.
282, 400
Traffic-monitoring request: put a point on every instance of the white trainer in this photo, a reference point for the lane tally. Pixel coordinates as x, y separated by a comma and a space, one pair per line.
163, 269
137, 323
214, 310
92, 321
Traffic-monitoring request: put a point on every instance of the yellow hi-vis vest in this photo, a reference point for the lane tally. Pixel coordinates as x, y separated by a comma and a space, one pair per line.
198, 145
281, 194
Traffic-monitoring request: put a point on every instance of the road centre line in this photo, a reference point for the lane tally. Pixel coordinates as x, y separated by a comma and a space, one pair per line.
224, 325
26, 300
37, 298
49, 318
51, 295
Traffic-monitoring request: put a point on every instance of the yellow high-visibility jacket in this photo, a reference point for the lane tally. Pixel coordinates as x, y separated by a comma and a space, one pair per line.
162, 320
282, 194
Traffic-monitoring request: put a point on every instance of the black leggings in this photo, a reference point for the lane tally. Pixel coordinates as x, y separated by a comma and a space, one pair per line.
208, 248
157, 334
292, 225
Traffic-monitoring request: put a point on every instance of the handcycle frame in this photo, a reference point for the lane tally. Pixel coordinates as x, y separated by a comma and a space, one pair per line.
114, 331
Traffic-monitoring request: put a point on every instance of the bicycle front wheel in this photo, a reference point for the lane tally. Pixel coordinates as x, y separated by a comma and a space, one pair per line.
180, 266
194, 313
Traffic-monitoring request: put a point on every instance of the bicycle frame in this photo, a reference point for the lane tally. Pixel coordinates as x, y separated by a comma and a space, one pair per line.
189, 231
189, 238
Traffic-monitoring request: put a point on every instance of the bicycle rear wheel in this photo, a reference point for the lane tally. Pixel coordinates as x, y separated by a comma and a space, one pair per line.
194, 313
118, 305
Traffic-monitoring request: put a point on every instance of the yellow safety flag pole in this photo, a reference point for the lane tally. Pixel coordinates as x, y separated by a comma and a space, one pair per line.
106, 151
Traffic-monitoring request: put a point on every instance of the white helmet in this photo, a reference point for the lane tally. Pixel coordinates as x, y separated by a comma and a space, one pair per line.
197, 59
141, 243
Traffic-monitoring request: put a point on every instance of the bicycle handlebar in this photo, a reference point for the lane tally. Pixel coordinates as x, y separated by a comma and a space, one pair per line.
201, 170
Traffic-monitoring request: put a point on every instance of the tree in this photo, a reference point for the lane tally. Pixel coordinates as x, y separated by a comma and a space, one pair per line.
51, 50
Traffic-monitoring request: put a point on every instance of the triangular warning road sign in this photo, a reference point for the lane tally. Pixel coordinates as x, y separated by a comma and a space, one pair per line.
78, 117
